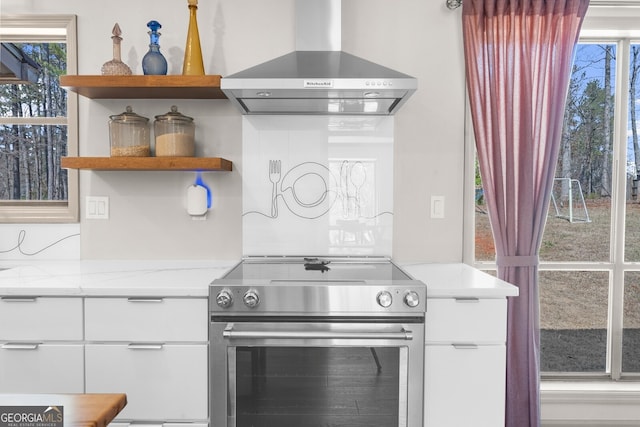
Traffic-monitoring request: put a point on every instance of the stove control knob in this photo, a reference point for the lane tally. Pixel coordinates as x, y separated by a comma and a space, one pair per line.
224, 299
411, 299
384, 299
251, 299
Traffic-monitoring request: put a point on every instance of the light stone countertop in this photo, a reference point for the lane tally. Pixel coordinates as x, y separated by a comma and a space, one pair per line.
459, 281
110, 278
149, 278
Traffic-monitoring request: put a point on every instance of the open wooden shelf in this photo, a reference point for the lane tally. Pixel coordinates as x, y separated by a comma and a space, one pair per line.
147, 163
145, 87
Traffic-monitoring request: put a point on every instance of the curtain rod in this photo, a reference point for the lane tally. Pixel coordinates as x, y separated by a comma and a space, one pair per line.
454, 4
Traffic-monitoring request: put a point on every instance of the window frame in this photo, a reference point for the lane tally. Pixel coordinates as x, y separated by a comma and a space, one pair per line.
49, 28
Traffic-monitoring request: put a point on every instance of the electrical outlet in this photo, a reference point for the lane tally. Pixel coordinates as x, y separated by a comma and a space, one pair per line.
437, 207
97, 207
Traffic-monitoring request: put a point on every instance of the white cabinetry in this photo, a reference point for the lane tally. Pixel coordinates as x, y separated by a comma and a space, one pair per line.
154, 350
41, 349
465, 362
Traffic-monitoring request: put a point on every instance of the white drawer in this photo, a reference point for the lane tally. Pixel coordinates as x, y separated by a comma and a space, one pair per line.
466, 321
162, 382
40, 318
41, 368
464, 386
146, 319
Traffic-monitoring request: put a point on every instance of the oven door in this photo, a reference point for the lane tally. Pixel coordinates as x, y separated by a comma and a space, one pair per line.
317, 374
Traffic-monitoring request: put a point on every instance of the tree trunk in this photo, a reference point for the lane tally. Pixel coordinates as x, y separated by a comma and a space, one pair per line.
49, 153
565, 147
605, 190
16, 189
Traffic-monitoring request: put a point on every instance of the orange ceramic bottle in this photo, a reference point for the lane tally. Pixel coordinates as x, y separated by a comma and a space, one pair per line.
193, 64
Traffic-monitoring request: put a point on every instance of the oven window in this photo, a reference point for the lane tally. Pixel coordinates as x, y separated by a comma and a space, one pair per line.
317, 386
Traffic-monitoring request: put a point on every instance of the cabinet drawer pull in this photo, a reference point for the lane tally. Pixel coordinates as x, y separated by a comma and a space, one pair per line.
137, 299
465, 346
19, 299
467, 300
21, 346
143, 346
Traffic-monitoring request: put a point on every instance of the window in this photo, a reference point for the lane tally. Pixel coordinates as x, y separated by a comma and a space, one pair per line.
38, 119
590, 254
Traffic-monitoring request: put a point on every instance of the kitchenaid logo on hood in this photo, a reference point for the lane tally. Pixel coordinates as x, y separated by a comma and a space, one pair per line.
31, 416
321, 84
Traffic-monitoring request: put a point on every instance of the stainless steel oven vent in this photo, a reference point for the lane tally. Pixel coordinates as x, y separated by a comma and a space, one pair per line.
318, 78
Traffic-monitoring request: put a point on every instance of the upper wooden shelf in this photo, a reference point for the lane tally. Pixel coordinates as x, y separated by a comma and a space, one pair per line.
147, 163
145, 87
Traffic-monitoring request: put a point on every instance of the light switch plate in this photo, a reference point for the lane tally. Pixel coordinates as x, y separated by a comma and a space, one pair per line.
97, 207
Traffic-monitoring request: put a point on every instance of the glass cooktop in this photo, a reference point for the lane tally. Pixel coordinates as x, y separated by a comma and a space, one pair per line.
317, 269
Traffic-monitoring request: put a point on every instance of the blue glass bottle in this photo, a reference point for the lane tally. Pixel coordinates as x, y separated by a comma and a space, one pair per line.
153, 62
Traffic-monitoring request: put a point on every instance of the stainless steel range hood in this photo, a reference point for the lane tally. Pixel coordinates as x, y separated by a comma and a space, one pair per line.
318, 78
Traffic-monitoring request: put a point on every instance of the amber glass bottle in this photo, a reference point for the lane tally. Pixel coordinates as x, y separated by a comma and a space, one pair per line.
193, 64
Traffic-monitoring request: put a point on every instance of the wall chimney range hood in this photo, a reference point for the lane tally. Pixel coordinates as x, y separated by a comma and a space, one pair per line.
318, 78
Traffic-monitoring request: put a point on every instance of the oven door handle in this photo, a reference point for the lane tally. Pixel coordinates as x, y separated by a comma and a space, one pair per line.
403, 334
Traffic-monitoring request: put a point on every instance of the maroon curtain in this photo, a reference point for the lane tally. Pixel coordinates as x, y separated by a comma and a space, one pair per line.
518, 57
